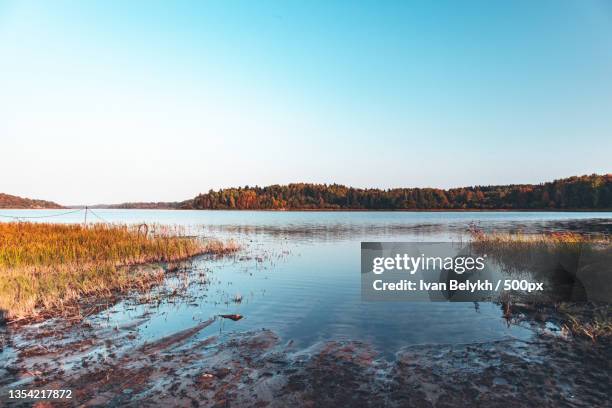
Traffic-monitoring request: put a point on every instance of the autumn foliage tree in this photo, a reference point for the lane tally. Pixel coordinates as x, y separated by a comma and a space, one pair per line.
580, 192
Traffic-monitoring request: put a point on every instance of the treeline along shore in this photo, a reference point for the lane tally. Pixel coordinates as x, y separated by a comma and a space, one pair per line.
592, 192
586, 193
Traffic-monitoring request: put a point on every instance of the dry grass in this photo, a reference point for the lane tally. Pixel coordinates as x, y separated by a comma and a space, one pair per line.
47, 266
519, 240
519, 252
585, 319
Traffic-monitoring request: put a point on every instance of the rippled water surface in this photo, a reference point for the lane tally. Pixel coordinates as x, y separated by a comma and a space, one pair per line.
299, 274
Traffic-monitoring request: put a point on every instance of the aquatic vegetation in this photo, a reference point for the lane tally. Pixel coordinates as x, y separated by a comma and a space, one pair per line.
520, 240
587, 320
45, 267
538, 252
560, 258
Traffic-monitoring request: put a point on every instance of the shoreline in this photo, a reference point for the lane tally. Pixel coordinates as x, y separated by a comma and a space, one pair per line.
211, 360
475, 210
117, 364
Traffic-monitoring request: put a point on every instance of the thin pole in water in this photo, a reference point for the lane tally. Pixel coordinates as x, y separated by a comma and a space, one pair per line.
85, 215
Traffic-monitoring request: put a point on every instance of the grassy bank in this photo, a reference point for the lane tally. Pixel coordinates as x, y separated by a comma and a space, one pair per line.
501, 241
534, 252
537, 253
44, 267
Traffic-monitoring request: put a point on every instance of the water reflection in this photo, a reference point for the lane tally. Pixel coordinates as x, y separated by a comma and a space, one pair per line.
299, 275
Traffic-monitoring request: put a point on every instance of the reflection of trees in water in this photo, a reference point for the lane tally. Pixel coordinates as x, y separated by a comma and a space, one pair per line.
330, 231
341, 231
588, 226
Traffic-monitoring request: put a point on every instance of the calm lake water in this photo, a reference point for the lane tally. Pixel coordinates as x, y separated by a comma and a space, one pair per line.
299, 274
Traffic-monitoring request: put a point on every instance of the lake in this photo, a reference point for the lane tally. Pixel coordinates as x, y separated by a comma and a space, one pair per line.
299, 274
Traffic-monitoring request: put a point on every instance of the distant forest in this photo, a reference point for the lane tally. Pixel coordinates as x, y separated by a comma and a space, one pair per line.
11, 201
580, 192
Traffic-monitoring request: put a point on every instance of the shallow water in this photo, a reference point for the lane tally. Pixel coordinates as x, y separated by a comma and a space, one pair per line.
299, 275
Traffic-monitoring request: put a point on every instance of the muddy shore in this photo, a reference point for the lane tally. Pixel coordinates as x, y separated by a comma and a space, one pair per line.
112, 367
204, 364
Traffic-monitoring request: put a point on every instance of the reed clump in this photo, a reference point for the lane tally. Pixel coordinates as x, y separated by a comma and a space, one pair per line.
509, 241
558, 255
594, 324
45, 267
535, 252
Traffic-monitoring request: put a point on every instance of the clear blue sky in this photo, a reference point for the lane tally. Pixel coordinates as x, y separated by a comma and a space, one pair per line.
109, 102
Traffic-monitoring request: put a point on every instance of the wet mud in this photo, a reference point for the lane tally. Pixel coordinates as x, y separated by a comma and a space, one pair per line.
110, 367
